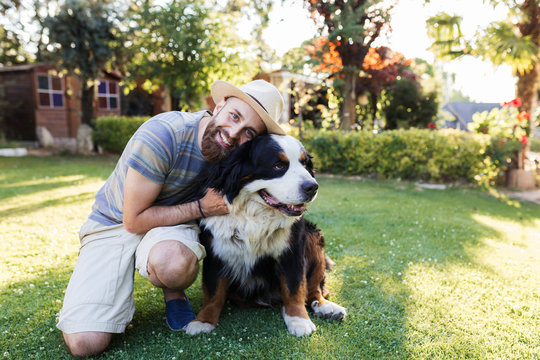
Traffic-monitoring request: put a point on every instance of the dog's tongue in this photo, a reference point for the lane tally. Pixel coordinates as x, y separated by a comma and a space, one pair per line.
288, 209
270, 200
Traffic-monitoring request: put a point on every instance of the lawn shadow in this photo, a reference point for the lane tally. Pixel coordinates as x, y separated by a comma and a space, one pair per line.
28, 175
35, 207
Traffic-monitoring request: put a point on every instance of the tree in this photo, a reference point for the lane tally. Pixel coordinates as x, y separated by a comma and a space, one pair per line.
352, 27
81, 35
407, 107
382, 67
11, 48
515, 42
24, 24
185, 46
257, 13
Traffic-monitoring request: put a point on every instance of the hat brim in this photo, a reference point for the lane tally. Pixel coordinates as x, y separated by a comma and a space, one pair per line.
222, 89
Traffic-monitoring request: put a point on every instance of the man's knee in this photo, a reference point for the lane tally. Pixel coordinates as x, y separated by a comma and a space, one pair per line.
171, 264
87, 343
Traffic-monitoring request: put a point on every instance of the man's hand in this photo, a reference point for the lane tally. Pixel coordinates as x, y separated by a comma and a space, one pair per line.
213, 204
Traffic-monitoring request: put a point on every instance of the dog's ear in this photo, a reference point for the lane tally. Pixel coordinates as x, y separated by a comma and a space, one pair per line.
229, 175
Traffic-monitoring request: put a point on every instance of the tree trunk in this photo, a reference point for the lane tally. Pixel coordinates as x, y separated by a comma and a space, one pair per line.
87, 103
348, 110
374, 98
527, 90
527, 84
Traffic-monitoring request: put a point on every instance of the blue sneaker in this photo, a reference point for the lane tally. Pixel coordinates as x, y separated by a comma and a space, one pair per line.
179, 313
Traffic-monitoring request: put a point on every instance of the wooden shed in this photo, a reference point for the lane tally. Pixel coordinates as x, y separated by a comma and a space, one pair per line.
38, 95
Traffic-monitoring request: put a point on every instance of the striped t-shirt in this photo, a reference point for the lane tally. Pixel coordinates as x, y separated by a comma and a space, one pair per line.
165, 150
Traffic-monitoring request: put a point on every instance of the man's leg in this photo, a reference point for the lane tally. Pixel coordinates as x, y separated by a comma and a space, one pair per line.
173, 267
87, 343
98, 300
169, 258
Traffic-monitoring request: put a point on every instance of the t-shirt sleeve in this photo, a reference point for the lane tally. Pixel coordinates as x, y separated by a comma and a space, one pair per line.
151, 150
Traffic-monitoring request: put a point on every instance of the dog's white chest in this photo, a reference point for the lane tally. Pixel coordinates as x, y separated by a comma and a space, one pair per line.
240, 243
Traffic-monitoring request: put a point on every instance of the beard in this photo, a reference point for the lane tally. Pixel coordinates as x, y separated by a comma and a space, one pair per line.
211, 149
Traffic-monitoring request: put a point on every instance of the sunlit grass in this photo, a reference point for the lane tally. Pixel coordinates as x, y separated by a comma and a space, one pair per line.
424, 274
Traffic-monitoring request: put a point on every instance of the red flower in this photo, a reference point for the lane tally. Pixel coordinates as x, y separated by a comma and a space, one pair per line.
524, 140
516, 103
523, 116
431, 125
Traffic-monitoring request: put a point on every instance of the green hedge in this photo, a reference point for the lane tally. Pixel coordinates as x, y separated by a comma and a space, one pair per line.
414, 154
112, 133
535, 145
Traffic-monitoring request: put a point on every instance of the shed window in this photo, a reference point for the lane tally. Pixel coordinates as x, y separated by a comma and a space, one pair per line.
50, 91
108, 95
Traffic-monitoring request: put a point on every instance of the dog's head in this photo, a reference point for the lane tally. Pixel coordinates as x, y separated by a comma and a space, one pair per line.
274, 170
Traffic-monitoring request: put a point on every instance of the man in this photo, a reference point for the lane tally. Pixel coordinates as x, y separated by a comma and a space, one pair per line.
141, 219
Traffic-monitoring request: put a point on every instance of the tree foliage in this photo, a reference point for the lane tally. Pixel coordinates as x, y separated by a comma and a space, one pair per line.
11, 48
449, 41
81, 34
352, 27
515, 42
258, 14
185, 46
82, 37
407, 107
381, 68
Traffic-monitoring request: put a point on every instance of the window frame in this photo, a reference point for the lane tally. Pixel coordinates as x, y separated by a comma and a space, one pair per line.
108, 95
50, 91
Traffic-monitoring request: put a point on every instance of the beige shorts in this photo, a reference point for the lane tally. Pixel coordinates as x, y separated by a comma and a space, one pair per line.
99, 296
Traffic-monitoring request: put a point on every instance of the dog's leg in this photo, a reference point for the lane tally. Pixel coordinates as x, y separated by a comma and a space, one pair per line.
317, 292
208, 317
294, 309
316, 299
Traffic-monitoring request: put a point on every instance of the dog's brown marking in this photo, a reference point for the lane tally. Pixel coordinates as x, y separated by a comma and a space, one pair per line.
246, 178
317, 261
212, 305
303, 157
283, 157
294, 303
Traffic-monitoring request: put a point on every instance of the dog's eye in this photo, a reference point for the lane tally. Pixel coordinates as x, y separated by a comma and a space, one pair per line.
279, 166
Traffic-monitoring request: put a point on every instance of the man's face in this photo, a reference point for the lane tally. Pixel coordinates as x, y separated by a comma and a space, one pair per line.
233, 124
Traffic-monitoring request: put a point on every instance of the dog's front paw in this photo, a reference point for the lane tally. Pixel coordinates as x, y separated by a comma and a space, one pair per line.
329, 310
196, 327
298, 326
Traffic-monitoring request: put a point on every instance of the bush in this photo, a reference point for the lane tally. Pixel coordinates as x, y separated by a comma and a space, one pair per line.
414, 154
406, 106
112, 133
535, 145
508, 130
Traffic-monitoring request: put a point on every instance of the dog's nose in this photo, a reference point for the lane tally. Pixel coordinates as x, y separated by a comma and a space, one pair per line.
310, 188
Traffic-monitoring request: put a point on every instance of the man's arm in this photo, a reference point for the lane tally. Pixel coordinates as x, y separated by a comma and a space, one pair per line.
140, 216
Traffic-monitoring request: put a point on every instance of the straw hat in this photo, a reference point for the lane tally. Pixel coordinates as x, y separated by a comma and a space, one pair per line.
262, 96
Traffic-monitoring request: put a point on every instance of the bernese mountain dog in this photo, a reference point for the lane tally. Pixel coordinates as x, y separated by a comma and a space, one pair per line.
264, 252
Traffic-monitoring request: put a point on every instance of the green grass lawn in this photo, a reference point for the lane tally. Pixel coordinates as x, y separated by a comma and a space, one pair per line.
424, 274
